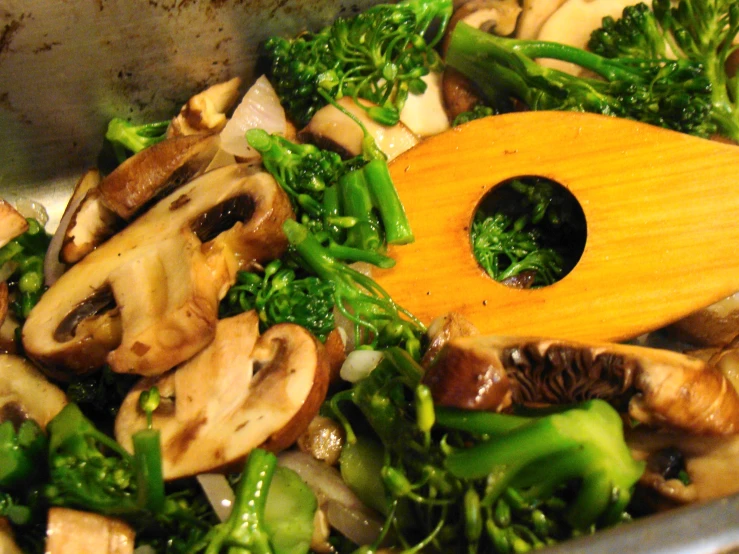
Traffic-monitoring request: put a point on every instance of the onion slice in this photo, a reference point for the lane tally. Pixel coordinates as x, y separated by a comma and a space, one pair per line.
259, 109
219, 493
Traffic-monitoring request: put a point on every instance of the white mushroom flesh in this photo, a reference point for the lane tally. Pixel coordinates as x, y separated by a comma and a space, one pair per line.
75, 532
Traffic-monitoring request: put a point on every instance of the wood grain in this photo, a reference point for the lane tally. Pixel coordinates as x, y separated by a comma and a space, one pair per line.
661, 211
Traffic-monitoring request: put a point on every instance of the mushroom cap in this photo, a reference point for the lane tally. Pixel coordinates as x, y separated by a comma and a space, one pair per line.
155, 172
221, 222
658, 387
241, 392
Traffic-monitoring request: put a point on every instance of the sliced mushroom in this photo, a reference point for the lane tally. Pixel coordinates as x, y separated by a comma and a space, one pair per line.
206, 111
443, 329
533, 16
709, 462
4, 301
715, 325
333, 130
658, 387
156, 172
90, 225
221, 222
25, 393
12, 223
424, 114
55, 258
241, 392
74, 532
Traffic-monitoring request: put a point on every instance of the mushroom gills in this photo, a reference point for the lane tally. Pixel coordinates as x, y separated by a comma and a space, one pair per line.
657, 387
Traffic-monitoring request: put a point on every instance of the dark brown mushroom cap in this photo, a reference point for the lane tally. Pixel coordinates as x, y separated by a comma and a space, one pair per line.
656, 386
241, 392
155, 172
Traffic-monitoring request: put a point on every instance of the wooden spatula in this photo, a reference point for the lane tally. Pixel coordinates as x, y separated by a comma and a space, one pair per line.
662, 214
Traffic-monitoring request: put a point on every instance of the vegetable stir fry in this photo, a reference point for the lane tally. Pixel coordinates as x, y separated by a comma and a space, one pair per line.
201, 357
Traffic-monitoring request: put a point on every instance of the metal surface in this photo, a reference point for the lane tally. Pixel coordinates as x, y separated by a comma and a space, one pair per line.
68, 66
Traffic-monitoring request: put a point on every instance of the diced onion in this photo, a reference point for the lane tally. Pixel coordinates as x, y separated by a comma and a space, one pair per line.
259, 109
219, 493
29, 208
359, 364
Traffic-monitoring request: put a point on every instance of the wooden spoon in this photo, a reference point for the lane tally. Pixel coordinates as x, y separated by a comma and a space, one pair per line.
661, 210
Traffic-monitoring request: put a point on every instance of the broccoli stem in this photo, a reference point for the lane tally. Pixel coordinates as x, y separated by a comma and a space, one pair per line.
357, 204
244, 532
386, 200
482, 423
147, 463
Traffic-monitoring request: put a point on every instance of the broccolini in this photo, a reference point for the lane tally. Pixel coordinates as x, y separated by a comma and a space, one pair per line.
378, 55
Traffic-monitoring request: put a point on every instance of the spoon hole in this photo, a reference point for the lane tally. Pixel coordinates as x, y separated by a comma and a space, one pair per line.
528, 232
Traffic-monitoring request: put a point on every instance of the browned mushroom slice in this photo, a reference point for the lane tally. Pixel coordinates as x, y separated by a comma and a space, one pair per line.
241, 392
89, 225
709, 464
74, 532
658, 387
219, 223
443, 329
155, 172
206, 111
25, 393
715, 325
333, 130
12, 223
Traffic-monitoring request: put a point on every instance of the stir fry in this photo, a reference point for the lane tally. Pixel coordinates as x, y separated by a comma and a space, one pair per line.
199, 359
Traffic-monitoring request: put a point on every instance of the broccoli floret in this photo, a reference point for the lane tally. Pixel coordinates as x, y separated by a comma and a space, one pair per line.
470, 481
352, 206
272, 512
378, 321
18, 451
675, 94
693, 31
128, 138
506, 248
25, 255
379, 55
279, 296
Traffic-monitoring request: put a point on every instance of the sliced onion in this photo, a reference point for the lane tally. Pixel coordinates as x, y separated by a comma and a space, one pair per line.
259, 109
29, 208
359, 364
345, 512
219, 493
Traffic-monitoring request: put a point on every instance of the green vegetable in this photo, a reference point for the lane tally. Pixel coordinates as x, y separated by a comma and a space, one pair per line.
352, 207
533, 229
693, 31
289, 513
485, 482
128, 138
279, 296
379, 55
25, 255
378, 321
19, 451
265, 520
676, 94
